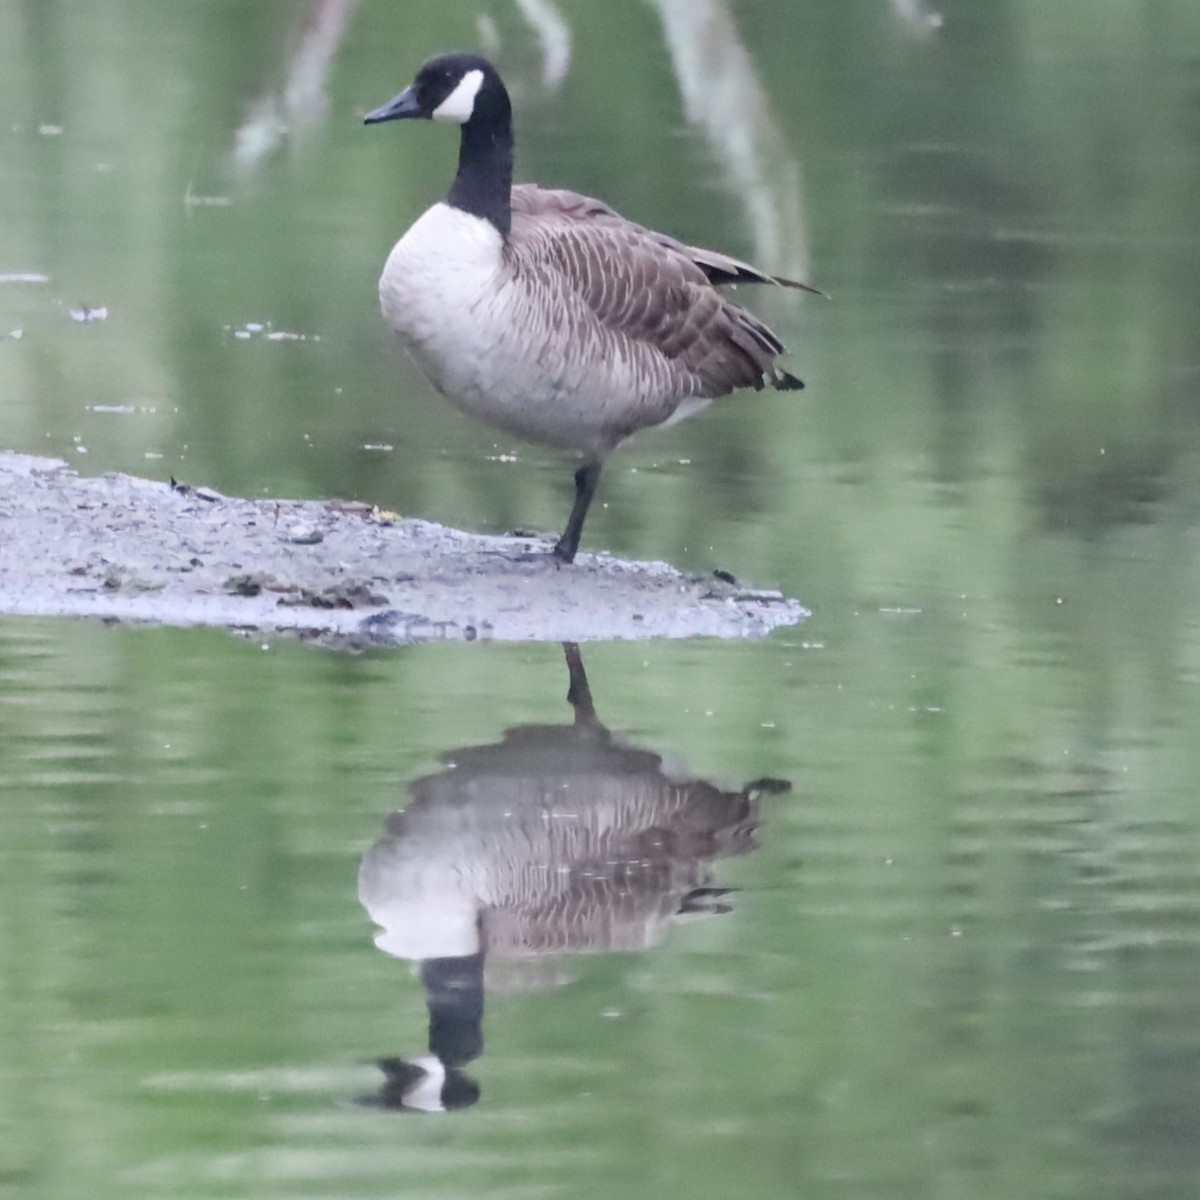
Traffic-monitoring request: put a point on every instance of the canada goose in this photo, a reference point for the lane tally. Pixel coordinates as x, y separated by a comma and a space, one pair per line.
557, 840
546, 314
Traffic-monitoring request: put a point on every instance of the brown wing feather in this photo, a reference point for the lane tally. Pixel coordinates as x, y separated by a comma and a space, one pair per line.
654, 294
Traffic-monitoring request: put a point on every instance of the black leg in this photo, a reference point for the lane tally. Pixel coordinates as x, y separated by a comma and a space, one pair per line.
586, 479
579, 695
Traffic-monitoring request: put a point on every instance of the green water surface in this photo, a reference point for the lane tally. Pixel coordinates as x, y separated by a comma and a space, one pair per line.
964, 959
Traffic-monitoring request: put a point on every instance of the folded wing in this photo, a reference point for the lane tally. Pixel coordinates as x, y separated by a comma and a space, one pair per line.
653, 296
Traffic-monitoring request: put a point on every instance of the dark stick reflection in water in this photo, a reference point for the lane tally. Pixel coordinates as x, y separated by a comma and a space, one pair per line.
557, 840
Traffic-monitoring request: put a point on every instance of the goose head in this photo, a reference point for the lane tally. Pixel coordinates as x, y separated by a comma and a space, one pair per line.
464, 89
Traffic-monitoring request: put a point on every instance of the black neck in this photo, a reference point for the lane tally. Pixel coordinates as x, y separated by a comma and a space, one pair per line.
483, 185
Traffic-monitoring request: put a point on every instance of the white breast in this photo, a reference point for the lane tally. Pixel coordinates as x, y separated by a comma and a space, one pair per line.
436, 279
490, 342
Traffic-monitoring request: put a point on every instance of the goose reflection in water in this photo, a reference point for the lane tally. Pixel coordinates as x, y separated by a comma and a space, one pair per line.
557, 840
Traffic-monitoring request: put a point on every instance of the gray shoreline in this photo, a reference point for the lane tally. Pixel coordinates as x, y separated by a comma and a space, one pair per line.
117, 547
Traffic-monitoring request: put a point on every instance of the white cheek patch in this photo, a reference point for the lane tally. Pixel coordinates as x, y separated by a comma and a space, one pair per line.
460, 104
426, 1094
